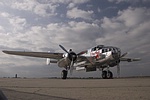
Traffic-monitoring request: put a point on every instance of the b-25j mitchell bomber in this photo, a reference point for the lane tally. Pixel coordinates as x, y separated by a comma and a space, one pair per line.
99, 57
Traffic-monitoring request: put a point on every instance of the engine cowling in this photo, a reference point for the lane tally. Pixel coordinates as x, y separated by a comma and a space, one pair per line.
64, 62
67, 59
48, 60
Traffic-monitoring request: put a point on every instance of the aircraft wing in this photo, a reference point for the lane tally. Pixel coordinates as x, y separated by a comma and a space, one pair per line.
129, 59
36, 54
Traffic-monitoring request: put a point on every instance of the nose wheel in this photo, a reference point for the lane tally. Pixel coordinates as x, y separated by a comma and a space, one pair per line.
107, 75
64, 74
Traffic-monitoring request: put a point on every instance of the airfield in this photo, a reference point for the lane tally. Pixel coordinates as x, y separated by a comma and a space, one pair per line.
76, 89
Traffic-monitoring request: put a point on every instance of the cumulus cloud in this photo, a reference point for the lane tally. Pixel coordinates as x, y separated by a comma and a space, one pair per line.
4, 14
76, 32
130, 1
38, 37
78, 13
69, 1
36, 7
17, 23
74, 3
12, 23
134, 16
44, 8
71, 5
127, 29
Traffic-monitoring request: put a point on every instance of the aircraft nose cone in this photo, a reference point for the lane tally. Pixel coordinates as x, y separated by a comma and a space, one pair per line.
73, 56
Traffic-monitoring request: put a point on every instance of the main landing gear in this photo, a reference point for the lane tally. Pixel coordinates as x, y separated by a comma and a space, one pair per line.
64, 74
107, 75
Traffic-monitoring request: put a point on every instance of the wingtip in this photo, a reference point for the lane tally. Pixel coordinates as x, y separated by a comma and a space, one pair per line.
4, 51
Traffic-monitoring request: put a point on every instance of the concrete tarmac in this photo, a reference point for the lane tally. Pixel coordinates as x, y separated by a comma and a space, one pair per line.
76, 89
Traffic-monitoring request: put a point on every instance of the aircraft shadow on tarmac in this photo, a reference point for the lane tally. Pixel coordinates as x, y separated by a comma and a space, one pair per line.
2, 96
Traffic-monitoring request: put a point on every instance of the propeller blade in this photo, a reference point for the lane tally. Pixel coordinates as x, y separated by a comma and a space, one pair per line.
71, 67
118, 70
123, 55
63, 48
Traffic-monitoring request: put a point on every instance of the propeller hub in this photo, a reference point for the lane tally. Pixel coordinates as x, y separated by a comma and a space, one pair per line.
72, 56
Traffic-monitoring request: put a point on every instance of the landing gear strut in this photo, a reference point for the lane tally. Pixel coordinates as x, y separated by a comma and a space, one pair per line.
107, 75
64, 74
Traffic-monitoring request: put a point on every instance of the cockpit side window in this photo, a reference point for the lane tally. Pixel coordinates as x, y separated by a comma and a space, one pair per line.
104, 50
93, 49
98, 47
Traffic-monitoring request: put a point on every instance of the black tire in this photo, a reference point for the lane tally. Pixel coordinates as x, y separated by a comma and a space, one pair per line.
64, 74
109, 75
104, 74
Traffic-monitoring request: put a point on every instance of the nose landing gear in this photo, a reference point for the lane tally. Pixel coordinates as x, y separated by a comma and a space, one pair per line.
107, 75
64, 74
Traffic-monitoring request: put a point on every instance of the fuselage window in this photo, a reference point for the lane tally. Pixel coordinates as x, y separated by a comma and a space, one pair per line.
93, 49
109, 49
103, 51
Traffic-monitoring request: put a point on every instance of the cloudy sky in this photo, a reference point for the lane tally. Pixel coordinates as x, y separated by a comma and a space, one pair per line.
41, 25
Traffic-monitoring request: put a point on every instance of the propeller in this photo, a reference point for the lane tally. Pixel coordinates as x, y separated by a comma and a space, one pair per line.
118, 64
123, 55
63, 49
71, 67
118, 70
72, 57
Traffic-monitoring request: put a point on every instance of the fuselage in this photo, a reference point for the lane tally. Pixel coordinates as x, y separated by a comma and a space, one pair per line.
99, 56
104, 55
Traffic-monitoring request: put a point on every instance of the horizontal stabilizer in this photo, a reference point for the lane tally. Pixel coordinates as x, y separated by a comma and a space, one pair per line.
130, 59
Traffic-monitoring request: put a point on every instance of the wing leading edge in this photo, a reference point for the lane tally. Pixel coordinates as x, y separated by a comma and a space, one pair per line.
36, 54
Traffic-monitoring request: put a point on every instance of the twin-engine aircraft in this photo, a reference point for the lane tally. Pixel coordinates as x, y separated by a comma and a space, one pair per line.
99, 57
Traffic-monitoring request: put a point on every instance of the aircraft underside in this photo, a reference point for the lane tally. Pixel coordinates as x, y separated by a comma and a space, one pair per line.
106, 74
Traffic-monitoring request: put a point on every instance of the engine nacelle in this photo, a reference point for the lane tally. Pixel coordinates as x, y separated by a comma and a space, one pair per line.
64, 62
48, 60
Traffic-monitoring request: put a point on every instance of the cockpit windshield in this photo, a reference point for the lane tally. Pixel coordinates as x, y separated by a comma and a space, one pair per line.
97, 47
106, 49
